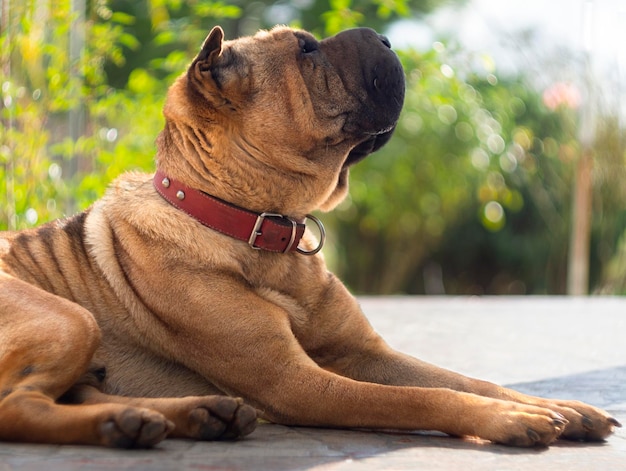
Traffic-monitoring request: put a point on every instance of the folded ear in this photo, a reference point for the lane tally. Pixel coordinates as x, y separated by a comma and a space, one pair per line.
211, 50
207, 73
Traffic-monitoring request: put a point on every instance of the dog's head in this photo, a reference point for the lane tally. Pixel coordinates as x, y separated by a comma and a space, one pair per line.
279, 117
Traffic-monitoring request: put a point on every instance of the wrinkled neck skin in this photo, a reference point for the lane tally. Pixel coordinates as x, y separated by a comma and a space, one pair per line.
209, 153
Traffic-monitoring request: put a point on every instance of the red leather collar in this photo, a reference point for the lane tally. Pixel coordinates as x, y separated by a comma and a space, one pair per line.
268, 231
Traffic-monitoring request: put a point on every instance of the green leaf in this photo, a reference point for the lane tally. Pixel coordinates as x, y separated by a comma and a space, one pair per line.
122, 18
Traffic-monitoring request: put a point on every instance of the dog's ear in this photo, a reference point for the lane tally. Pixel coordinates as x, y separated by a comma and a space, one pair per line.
211, 71
211, 50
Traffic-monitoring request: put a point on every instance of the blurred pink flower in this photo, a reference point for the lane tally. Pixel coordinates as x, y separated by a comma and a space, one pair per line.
561, 94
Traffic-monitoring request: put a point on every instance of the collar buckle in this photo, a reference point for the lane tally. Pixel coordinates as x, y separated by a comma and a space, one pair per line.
256, 230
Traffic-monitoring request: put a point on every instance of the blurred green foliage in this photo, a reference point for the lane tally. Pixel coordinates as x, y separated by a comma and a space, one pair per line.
472, 195
469, 156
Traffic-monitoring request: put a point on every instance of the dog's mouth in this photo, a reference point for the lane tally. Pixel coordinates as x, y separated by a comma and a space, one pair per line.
372, 144
373, 75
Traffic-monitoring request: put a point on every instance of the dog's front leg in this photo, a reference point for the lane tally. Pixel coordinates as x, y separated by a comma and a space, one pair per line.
356, 351
246, 346
379, 363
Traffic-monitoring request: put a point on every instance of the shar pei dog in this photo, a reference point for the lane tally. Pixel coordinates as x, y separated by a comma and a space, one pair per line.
189, 302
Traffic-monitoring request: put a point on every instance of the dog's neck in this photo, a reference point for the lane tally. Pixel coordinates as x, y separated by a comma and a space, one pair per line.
232, 174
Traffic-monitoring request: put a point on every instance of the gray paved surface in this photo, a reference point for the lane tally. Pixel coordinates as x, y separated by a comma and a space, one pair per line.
556, 347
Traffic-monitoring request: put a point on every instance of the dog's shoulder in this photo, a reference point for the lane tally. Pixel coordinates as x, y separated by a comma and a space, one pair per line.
133, 218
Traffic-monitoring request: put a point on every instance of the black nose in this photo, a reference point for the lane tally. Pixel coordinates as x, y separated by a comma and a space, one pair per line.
385, 40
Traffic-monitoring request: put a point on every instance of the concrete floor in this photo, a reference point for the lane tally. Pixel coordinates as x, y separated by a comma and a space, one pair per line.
554, 347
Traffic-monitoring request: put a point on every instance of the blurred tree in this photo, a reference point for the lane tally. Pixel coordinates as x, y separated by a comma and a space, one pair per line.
608, 236
473, 194
167, 32
76, 75
48, 72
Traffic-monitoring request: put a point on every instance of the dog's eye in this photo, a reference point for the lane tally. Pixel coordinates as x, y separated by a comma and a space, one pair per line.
307, 45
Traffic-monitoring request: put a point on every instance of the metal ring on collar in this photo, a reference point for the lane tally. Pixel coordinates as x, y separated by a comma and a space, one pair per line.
320, 226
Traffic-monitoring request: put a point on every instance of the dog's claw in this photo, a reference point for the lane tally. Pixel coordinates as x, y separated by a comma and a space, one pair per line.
534, 436
587, 423
560, 421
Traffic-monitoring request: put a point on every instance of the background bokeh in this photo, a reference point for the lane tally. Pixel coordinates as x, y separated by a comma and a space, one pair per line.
505, 175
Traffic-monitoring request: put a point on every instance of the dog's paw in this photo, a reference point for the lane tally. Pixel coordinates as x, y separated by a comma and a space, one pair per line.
134, 428
585, 422
513, 424
220, 417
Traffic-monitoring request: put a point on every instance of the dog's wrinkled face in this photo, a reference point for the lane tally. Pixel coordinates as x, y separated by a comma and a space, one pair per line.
302, 108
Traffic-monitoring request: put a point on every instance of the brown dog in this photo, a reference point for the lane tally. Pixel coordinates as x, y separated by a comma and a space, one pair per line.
152, 322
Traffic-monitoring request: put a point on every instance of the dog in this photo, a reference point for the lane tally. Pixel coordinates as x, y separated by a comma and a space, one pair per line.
190, 302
